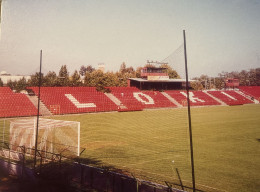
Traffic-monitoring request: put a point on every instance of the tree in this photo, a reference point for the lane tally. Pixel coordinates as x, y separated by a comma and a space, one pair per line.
82, 70
50, 80
138, 72
21, 85
90, 69
196, 85
75, 79
1, 83
11, 84
63, 78
171, 72
34, 81
257, 74
122, 68
150, 65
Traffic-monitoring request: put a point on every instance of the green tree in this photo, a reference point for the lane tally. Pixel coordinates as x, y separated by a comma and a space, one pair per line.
82, 70
171, 72
150, 65
219, 82
243, 77
122, 68
138, 72
90, 69
11, 84
257, 74
21, 85
34, 81
63, 77
75, 79
196, 85
1, 83
50, 80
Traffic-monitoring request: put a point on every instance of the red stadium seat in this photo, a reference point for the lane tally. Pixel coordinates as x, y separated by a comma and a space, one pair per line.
134, 99
197, 98
15, 104
253, 91
65, 100
230, 97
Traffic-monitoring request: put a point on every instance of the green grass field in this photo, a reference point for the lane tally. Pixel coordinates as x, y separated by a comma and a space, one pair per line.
226, 145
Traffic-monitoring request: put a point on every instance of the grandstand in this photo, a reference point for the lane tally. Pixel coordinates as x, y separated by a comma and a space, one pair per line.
15, 104
197, 98
71, 100
253, 91
66, 100
230, 97
156, 137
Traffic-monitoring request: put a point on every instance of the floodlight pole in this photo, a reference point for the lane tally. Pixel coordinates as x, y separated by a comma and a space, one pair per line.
38, 113
4, 133
189, 114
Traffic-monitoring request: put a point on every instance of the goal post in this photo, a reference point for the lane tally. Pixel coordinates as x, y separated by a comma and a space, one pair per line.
54, 136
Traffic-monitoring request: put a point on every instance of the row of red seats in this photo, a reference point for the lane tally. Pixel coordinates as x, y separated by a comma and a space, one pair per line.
253, 91
5, 90
230, 97
15, 104
197, 98
155, 99
64, 100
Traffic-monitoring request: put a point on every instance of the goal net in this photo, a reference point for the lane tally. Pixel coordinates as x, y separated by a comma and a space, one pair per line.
54, 136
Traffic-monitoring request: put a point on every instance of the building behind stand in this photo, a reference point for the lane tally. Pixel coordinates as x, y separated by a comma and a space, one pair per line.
156, 78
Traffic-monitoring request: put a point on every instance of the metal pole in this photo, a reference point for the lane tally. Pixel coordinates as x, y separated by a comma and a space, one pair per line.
4, 133
38, 113
78, 139
189, 114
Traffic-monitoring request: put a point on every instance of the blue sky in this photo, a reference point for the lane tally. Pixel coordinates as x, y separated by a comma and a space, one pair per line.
221, 35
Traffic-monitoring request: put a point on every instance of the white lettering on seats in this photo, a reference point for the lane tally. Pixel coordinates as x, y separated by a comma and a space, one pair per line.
150, 99
78, 104
228, 95
192, 98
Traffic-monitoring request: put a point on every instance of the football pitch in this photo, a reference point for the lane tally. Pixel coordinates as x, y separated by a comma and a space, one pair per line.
151, 144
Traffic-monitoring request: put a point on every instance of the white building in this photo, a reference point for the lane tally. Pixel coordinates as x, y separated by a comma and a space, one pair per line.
5, 77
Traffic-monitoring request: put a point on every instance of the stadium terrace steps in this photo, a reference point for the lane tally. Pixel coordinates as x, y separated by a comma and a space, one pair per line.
230, 97
66, 100
133, 97
15, 104
252, 91
218, 100
197, 98
115, 100
247, 96
43, 109
171, 99
125, 96
154, 99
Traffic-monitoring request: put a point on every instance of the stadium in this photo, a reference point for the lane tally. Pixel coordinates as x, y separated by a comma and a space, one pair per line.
94, 117
140, 133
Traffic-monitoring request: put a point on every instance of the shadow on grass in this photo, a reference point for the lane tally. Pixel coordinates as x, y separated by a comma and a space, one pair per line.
99, 164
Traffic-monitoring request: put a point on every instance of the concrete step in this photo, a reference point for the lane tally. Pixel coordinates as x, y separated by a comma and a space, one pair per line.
43, 109
115, 100
218, 100
247, 96
171, 99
